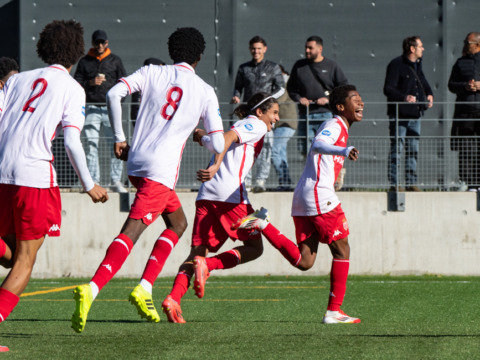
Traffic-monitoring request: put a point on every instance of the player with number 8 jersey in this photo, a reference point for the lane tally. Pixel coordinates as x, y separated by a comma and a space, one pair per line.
174, 100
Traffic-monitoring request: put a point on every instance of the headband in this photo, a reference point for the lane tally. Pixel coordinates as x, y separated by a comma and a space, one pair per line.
261, 102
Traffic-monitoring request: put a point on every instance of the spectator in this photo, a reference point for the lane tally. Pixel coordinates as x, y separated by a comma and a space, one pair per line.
405, 82
97, 72
254, 76
284, 130
465, 83
311, 81
8, 67
137, 97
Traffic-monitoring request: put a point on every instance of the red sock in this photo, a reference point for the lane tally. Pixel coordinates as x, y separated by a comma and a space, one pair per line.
283, 244
8, 301
116, 255
338, 283
3, 248
180, 286
227, 260
161, 250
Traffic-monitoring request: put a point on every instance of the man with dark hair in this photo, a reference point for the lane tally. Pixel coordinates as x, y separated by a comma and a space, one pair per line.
464, 81
98, 72
316, 209
32, 105
254, 76
8, 67
174, 100
405, 82
311, 81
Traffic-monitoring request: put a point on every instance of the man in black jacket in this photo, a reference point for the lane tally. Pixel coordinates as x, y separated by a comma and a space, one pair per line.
405, 82
465, 83
311, 81
97, 72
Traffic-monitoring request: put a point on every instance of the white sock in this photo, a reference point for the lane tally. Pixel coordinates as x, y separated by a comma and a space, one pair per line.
146, 285
95, 290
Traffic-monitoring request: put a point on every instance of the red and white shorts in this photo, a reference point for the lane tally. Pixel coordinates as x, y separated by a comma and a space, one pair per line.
327, 227
151, 200
30, 213
213, 220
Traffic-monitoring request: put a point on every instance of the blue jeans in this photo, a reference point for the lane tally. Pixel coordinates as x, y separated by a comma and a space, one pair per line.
96, 117
281, 136
314, 122
411, 130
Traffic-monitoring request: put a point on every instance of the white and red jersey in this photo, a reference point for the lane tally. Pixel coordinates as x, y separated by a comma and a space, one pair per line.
315, 193
33, 103
227, 185
174, 100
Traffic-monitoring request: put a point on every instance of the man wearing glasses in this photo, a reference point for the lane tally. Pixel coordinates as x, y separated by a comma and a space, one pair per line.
465, 83
97, 72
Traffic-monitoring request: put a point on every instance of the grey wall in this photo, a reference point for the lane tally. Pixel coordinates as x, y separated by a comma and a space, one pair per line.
362, 36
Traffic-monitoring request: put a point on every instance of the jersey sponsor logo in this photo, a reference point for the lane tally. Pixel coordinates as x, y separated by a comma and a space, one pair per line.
108, 266
326, 133
249, 127
54, 227
148, 216
337, 232
339, 159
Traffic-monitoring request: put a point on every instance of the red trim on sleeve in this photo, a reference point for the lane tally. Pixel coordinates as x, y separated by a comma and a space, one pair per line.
315, 189
216, 131
128, 86
76, 127
240, 141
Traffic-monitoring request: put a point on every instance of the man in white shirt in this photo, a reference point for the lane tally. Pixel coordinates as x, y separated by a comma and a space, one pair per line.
34, 106
174, 100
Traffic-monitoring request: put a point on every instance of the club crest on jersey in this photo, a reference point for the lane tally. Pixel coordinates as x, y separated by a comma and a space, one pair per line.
249, 127
326, 133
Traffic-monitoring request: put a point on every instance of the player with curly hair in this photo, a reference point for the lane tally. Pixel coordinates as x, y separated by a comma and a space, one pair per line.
8, 67
34, 105
174, 98
316, 209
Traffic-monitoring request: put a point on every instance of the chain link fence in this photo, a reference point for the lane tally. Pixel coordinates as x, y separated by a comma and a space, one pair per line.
438, 157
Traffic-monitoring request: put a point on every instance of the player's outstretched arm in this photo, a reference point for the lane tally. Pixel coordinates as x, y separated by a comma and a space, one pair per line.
353, 154
98, 194
114, 106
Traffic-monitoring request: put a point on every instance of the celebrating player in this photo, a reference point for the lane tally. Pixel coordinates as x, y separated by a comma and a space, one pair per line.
32, 105
316, 209
174, 99
222, 199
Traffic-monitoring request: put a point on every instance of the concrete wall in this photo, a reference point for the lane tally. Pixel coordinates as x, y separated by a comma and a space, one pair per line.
437, 234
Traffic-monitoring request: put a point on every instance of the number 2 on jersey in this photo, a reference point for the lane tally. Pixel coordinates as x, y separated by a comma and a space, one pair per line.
43, 86
172, 103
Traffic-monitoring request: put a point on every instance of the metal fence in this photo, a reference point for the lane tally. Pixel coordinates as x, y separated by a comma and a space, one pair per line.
437, 163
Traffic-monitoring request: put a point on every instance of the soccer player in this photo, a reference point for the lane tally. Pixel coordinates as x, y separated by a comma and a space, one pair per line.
174, 100
222, 199
34, 105
316, 209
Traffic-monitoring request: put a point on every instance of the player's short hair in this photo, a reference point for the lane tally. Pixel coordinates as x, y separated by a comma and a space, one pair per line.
408, 42
261, 100
153, 61
6, 65
186, 45
315, 38
61, 42
339, 95
257, 39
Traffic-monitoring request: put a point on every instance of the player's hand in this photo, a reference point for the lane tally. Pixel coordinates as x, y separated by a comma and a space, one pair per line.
98, 194
198, 134
206, 174
353, 154
322, 101
235, 100
121, 150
